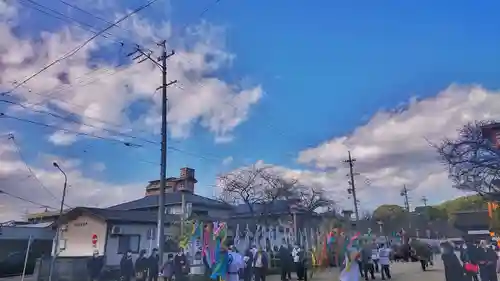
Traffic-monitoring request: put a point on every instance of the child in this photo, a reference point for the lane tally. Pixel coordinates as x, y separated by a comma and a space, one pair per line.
167, 269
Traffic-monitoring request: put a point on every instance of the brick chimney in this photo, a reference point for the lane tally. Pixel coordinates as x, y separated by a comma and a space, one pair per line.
185, 182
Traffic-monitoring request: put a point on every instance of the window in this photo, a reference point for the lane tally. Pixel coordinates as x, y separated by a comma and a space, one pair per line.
128, 242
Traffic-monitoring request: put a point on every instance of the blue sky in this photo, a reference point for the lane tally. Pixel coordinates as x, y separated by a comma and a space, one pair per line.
326, 71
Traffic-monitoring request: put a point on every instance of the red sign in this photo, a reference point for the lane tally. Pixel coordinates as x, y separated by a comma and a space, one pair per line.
94, 239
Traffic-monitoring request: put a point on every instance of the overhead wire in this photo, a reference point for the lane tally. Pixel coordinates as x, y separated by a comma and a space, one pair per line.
66, 118
50, 94
78, 48
34, 176
26, 200
63, 17
128, 144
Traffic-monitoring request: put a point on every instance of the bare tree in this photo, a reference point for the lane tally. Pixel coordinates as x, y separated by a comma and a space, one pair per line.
244, 186
313, 198
473, 160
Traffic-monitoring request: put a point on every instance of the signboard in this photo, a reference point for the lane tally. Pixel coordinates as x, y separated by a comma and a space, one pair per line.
94, 240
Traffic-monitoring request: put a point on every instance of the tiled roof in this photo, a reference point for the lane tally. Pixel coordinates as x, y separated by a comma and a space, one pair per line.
119, 215
172, 198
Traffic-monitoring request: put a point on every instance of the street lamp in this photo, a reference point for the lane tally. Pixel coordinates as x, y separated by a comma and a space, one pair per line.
56, 246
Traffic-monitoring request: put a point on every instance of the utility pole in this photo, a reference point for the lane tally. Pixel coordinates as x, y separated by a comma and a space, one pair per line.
424, 199
404, 193
145, 55
352, 189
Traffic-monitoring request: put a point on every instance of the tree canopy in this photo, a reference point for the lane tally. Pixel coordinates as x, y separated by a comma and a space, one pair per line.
472, 157
263, 186
387, 212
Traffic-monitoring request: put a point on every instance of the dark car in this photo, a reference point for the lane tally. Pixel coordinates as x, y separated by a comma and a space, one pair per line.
13, 264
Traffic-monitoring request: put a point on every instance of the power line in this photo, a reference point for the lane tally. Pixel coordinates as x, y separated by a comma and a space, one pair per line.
128, 144
26, 200
66, 18
23, 159
78, 48
75, 121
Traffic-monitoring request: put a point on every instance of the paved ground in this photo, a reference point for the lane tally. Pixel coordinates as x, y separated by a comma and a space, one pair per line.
400, 272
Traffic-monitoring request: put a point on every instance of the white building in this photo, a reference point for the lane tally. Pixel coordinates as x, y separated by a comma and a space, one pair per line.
112, 233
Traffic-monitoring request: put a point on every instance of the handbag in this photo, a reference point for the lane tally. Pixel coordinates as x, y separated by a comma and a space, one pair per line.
469, 267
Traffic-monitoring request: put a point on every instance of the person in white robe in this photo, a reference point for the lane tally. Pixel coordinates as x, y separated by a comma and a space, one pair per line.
350, 271
236, 263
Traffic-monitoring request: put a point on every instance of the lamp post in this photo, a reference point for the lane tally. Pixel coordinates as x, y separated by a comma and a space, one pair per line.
56, 246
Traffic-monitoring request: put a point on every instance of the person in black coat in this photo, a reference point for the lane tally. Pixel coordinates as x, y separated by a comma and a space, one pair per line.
181, 267
469, 254
286, 262
94, 266
141, 266
487, 264
153, 265
453, 269
247, 271
126, 267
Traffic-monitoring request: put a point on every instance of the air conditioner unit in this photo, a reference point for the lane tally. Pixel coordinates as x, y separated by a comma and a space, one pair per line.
116, 230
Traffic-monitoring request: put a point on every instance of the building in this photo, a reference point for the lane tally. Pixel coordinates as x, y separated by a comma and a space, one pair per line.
15, 236
112, 233
473, 224
76, 238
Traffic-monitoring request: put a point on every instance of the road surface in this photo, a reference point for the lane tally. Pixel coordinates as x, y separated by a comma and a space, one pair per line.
400, 272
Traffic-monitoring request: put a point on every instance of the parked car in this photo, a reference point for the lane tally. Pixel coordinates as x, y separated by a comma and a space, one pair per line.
13, 264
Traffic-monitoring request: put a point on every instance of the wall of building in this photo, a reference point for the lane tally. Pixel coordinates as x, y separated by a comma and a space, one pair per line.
76, 237
24, 232
113, 256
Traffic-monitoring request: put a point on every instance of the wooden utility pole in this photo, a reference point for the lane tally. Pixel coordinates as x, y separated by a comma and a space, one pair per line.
352, 189
146, 55
404, 193
425, 200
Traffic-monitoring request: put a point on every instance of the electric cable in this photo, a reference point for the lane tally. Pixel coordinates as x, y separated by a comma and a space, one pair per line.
25, 200
23, 159
78, 48
128, 144
66, 18
68, 119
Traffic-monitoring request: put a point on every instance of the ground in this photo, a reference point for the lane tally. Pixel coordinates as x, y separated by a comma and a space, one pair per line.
401, 272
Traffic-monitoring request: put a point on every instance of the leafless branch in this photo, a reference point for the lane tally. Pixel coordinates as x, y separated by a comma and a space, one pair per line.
472, 159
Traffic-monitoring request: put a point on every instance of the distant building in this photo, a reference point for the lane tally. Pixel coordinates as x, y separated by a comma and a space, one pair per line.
473, 224
112, 233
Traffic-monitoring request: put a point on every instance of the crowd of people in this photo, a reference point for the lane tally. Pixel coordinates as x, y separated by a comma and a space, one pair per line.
145, 268
477, 261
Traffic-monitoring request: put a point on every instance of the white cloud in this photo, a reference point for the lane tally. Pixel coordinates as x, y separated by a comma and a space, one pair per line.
91, 91
227, 161
62, 138
82, 191
99, 167
392, 150
107, 93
